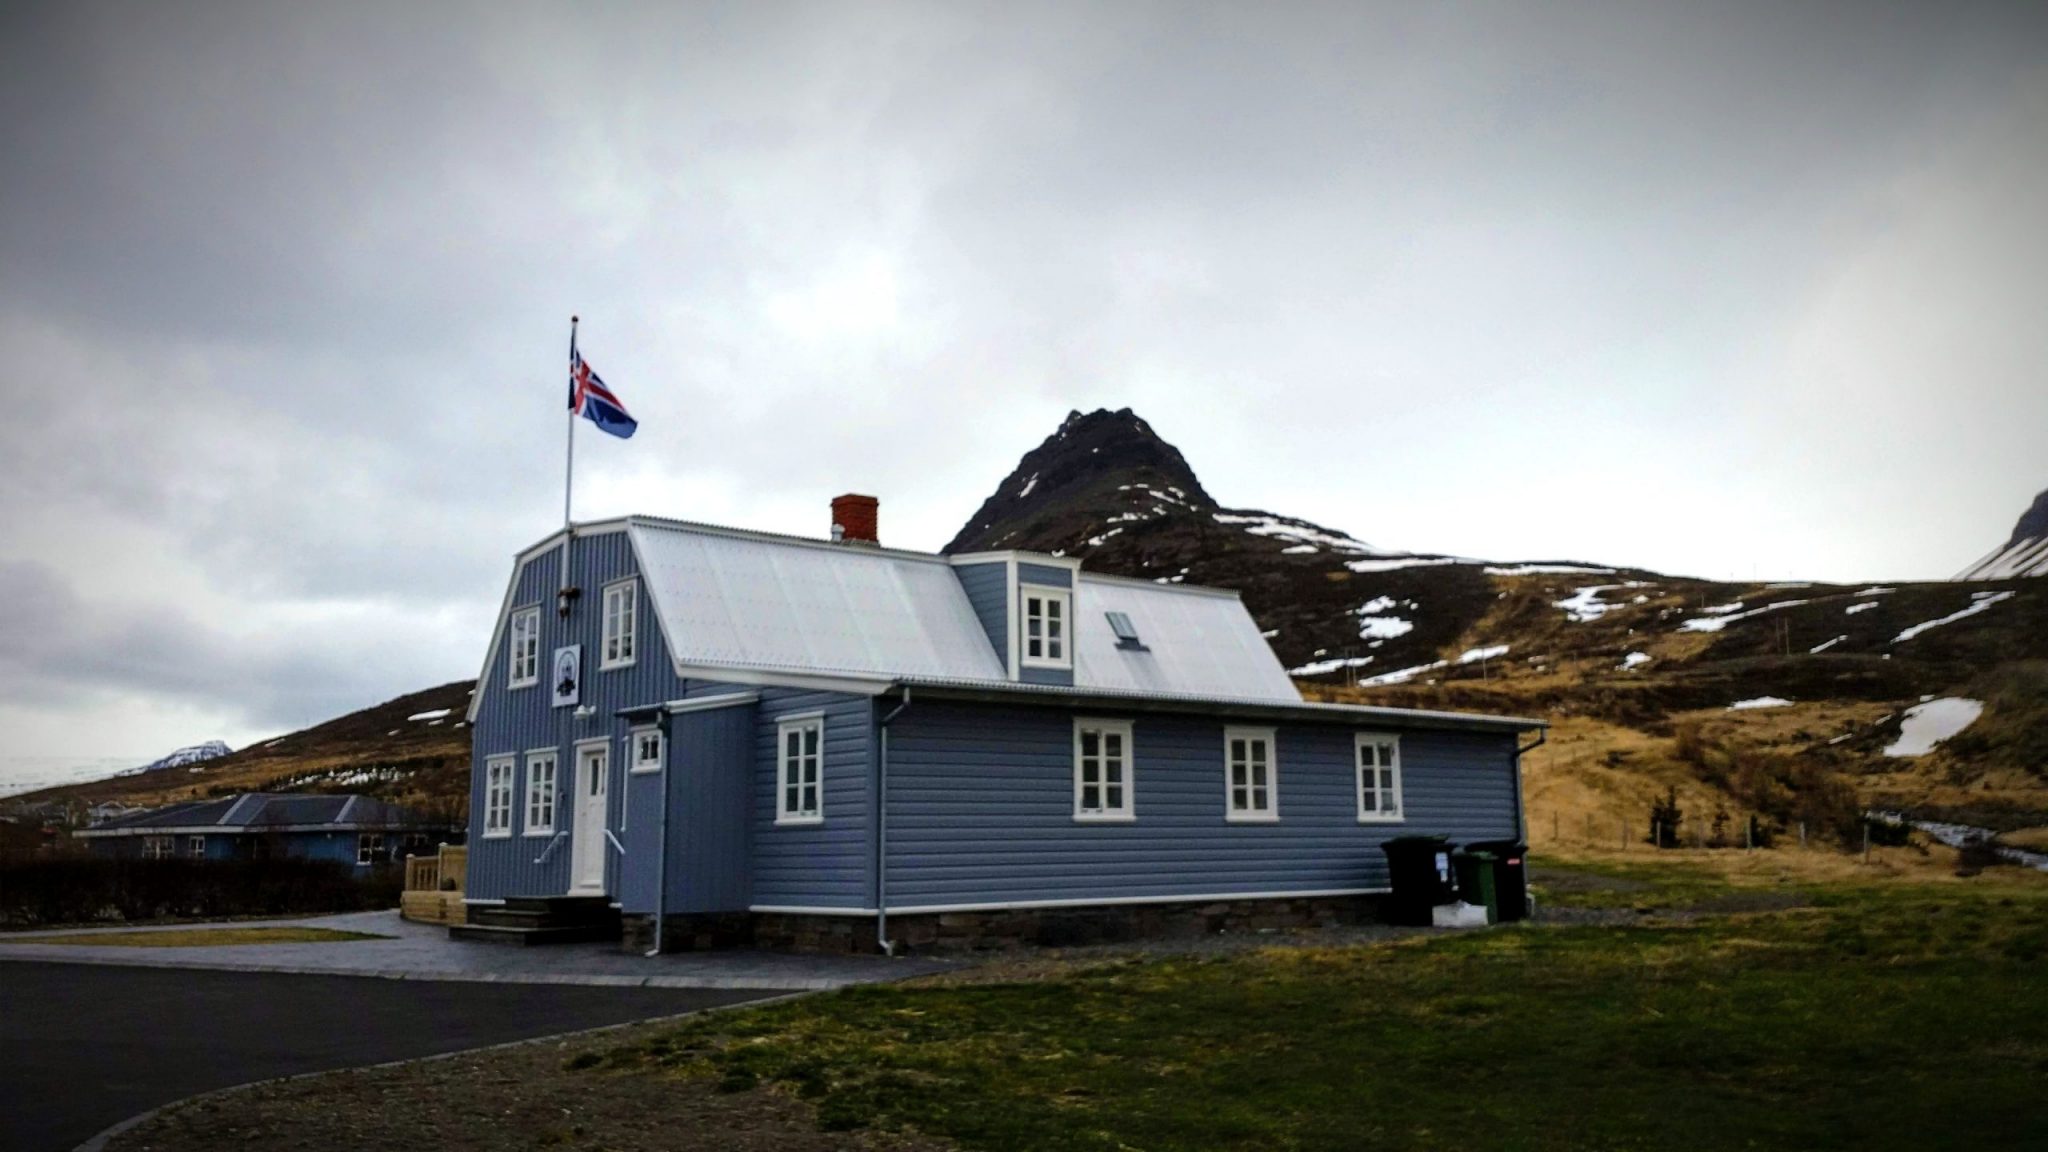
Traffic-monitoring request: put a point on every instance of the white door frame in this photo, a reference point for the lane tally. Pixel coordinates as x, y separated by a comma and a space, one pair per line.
588, 817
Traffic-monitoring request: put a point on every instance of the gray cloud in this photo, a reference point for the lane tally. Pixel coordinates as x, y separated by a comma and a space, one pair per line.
1719, 290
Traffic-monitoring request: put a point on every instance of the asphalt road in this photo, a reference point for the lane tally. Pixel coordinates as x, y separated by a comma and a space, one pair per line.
83, 1047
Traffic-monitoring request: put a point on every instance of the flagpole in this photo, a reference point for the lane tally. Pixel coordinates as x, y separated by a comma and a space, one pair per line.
569, 469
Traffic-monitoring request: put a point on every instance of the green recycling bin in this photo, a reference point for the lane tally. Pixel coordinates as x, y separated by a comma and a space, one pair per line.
1476, 880
1510, 875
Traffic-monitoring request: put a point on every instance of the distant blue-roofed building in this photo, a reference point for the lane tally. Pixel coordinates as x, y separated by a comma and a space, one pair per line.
742, 737
361, 831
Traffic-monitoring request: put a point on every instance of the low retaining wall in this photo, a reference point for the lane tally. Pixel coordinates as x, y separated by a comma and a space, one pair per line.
999, 929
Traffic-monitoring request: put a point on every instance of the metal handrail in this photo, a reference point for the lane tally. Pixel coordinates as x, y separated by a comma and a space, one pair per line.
550, 849
615, 841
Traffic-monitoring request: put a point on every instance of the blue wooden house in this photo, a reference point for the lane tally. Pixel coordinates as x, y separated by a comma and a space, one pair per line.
360, 831
740, 737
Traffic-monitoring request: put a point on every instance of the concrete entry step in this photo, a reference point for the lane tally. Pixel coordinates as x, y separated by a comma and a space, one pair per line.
561, 934
541, 920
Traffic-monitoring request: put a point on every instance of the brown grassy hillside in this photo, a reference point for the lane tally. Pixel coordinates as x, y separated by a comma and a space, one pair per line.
380, 751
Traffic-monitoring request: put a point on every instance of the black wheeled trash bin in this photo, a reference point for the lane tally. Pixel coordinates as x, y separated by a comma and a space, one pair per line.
1510, 875
1475, 871
1419, 872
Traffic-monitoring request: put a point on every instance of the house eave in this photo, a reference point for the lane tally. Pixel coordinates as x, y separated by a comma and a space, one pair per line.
1053, 695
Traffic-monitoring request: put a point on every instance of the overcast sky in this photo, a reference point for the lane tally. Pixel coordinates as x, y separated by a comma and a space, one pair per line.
1726, 290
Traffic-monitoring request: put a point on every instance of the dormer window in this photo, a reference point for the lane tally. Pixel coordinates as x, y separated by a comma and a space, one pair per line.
1046, 637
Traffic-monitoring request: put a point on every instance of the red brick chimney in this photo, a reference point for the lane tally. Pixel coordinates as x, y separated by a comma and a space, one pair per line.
854, 519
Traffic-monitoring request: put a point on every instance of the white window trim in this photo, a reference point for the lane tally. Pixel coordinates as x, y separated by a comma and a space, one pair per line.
1252, 815
510, 764
363, 845
159, 847
1065, 598
198, 842
512, 652
1400, 814
783, 726
527, 795
1128, 813
633, 761
631, 588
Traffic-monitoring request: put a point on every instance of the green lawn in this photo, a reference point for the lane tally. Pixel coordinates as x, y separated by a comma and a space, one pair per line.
197, 937
1894, 1017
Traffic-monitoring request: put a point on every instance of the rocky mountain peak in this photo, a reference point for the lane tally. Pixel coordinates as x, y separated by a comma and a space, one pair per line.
2033, 523
1097, 460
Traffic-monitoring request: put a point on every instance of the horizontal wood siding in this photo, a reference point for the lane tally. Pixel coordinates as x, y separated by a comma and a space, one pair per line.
1051, 575
826, 865
515, 721
711, 761
988, 593
981, 810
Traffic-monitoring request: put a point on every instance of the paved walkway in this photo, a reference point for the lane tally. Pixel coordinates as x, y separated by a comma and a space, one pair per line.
424, 952
88, 1047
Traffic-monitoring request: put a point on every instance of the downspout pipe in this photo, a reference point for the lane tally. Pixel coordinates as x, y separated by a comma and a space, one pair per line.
887, 945
1522, 816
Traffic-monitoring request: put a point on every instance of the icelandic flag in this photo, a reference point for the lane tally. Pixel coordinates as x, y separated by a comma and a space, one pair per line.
589, 398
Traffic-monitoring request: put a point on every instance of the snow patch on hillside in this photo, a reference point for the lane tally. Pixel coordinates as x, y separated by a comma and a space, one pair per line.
1390, 563
1759, 702
1584, 605
1633, 660
1825, 645
1403, 675
1927, 725
1321, 667
1853, 609
1716, 623
1474, 655
1979, 602
436, 714
1296, 531
1547, 570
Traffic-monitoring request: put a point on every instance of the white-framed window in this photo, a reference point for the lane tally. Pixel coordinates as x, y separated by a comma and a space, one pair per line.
800, 741
195, 847
1102, 770
522, 666
1379, 777
1251, 771
369, 847
541, 786
1046, 636
158, 847
621, 615
498, 773
647, 750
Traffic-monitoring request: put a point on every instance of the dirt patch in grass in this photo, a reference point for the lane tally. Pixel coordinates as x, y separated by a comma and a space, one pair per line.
199, 938
523, 1096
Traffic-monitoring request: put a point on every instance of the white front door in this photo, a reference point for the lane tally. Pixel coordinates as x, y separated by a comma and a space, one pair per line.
593, 781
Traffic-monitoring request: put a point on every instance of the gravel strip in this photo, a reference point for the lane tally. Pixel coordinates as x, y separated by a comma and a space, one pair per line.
514, 1097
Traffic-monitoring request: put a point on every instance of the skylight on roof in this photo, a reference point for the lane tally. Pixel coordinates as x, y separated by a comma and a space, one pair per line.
1126, 632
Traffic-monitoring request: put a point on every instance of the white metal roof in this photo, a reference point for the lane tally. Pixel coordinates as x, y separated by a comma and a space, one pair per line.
751, 600
1196, 643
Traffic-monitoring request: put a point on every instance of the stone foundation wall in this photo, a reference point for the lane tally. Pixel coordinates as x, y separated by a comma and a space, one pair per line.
1000, 929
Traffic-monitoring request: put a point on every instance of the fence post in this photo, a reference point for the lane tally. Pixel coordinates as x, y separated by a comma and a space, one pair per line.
1866, 841
1749, 833
1802, 833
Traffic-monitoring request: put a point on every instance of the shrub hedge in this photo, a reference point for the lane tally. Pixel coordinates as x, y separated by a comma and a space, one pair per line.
87, 890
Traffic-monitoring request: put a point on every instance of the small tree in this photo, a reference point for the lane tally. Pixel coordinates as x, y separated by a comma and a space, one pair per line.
1666, 818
